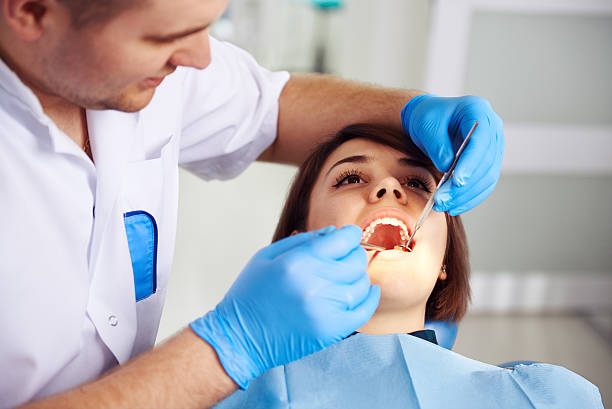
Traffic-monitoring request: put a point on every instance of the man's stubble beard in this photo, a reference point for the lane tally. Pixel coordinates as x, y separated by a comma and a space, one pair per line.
85, 96
87, 92
124, 103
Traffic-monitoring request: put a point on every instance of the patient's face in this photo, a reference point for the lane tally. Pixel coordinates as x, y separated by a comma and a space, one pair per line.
384, 191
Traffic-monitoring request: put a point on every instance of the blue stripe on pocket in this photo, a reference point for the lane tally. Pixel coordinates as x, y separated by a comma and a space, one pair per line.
141, 231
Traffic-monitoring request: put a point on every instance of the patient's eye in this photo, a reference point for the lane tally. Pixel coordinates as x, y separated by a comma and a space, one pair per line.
417, 183
349, 177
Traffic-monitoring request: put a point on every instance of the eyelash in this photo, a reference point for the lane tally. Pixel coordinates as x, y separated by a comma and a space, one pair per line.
425, 184
345, 175
342, 177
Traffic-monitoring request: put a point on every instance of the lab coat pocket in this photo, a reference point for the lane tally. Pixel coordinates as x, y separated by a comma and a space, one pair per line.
141, 232
147, 190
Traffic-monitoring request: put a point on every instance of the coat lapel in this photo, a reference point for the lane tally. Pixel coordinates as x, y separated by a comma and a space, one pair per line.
112, 303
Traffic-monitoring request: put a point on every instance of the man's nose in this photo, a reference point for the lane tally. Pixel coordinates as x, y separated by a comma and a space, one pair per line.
388, 187
194, 51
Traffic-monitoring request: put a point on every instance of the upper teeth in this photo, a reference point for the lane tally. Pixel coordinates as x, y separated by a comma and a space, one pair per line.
367, 232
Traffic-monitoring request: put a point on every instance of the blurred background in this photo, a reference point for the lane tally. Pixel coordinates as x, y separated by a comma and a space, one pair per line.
540, 245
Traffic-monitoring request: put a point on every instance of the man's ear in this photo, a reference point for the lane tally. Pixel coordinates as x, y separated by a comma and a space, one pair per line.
25, 17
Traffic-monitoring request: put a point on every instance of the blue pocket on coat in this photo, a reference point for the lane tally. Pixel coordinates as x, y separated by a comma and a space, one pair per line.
141, 231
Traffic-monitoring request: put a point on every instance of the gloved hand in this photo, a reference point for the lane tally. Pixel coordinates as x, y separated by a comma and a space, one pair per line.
293, 298
438, 125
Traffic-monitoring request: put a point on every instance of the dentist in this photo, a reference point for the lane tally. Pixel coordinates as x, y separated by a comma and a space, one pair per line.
100, 102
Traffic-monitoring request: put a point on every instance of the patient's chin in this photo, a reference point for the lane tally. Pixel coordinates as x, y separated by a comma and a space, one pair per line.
405, 281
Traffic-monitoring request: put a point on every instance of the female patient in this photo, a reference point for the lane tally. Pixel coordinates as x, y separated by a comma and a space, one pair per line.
377, 179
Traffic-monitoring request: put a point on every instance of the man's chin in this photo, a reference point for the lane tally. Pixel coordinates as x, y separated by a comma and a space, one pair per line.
128, 102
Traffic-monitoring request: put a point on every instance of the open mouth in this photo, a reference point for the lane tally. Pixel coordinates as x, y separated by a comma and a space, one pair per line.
388, 232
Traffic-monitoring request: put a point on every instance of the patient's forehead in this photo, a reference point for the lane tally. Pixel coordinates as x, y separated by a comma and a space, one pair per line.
377, 151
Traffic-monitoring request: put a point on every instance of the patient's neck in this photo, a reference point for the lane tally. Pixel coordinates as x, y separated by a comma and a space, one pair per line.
395, 321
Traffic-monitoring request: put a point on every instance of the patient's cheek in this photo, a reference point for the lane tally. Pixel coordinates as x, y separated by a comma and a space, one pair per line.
437, 231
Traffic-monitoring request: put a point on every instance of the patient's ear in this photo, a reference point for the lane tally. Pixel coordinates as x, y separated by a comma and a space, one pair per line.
442, 275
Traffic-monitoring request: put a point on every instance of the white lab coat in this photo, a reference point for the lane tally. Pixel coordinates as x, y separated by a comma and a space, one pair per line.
67, 295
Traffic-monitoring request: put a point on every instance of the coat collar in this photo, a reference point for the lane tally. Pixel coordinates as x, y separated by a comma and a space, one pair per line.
15, 88
19, 93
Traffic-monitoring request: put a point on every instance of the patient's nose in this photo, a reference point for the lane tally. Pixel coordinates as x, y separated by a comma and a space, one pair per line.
388, 188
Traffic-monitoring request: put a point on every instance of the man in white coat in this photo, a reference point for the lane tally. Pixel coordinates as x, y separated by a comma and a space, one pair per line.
100, 102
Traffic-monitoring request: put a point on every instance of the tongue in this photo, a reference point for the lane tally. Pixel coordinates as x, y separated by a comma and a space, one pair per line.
386, 235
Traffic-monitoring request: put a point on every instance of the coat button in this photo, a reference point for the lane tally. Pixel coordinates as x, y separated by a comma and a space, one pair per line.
112, 320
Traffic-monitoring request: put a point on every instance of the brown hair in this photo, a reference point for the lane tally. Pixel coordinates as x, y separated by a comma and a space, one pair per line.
449, 299
87, 13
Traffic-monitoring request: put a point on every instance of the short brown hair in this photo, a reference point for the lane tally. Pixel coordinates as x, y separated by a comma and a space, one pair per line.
96, 12
449, 299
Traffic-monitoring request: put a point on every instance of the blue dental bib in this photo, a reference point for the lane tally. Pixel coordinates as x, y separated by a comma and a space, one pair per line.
403, 371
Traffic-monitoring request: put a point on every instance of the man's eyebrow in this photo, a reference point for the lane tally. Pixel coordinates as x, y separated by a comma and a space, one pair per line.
175, 36
351, 159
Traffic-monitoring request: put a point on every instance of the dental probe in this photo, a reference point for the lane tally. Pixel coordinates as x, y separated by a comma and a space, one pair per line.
445, 177
369, 246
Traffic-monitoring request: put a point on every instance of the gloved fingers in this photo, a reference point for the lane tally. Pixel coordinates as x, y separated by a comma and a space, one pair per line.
338, 243
488, 139
479, 152
457, 200
451, 195
364, 311
485, 166
351, 295
282, 246
348, 269
430, 134
425, 118
452, 199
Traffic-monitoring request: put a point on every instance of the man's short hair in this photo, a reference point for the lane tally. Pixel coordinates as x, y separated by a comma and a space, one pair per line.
96, 12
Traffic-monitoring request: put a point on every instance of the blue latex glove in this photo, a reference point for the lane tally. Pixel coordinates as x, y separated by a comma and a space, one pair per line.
294, 297
438, 125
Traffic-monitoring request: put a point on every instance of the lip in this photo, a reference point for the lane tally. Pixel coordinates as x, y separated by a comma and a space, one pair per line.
388, 212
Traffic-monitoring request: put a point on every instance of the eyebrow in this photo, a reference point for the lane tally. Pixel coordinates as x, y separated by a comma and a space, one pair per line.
177, 35
351, 159
365, 159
